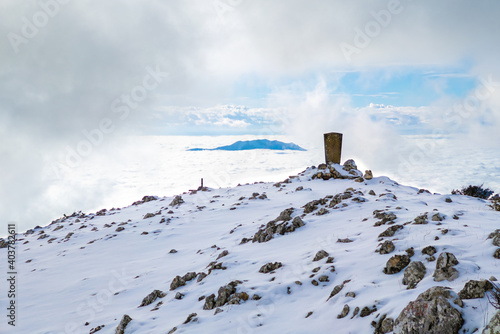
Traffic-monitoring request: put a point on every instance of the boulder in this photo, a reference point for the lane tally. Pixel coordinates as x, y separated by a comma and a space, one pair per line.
320, 255
177, 282
120, 329
431, 313
387, 247
149, 299
177, 201
475, 289
270, 267
493, 326
368, 175
384, 325
413, 274
396, 263
350, 165
444, 267
390, 231
429, 250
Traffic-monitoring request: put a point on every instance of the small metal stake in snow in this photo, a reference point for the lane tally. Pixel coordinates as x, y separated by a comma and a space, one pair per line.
333, 147
201, 183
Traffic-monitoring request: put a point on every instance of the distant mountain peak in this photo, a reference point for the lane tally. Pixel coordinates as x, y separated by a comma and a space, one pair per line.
257, 144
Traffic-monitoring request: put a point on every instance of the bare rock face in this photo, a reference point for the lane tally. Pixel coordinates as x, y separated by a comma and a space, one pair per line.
177, 201
149, 299
431, 313
387, 247
320, 255
444, 267
475, 289
413, 274
270, 267
120, 329
396, 263
493, 326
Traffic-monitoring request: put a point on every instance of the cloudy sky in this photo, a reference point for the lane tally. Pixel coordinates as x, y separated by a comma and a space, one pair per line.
78, 76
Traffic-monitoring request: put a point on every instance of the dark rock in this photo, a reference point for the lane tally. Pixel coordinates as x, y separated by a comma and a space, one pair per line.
336, 290
396, 263
368, 175
314, 282
475, 289
355, 313
149, 299
437, 217
429, 250
320, 255
366, 311
430, 313
444, 267
120, 329
387, 247
209, 302
179, 295
224, 253
270, 267
191, 318
201, 276
172, 251
410, 251
344, 313
345, 241
177, 282
224, 293
413, 274
323, 278
349, 165
384, 217
384, 325
267, 233
189, 276
496, 255
493, 326
390, 231
322, 212
177, 201
419, 220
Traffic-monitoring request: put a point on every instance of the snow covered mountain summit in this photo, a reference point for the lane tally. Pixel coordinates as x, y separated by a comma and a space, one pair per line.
331, 250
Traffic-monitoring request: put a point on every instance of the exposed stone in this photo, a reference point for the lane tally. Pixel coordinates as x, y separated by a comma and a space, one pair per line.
351, 294
336, 290
413, 274
201, 276
209, 302
448, 200
320, 255
323, 278
191, 318
444, 267
429, 250
390, 231
396, 263
120, 329
344, 313
387, 247
225, 292
366, 311
149, 299
384, 325
267, 233
368, 175
496, 255
410, 251
270, 267
371, 192
384, 217
437, 217
345, 240
177, 282
493, 326
349, 165
430, 313
419, 220
313, 205
475, 289
189, 276
179, 295
224, 253
177, 201
355, 313
314, 282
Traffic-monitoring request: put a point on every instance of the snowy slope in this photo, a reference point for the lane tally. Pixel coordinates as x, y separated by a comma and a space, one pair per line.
80, 269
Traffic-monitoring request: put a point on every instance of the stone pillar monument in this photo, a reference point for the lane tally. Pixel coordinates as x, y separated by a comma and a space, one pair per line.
333, 147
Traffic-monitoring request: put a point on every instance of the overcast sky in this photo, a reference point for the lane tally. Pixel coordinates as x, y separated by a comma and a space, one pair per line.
76, 71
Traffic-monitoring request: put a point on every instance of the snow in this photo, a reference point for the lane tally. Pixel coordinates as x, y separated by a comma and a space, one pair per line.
99, 274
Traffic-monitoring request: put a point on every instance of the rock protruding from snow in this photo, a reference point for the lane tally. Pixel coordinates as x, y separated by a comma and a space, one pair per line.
273, 227
350, 165
431, 313
270, 267
475, 289
320, 255
413, 274
120, 329
390, 231
387, 247
149, 299
226, 295
177, 201
444, 267
368, 175
384, 325
493, 326
396, 263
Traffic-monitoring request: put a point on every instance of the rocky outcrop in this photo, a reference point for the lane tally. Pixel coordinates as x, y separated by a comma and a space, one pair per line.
179, 281
444, 267
413, 274
384, 216
475, 289
387, 247
431, 313
384, 325
273, 227
390, 231
226, 295
149, 299
396, 263
177, 201
493, 326
120, 329
320, 255
270, 267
